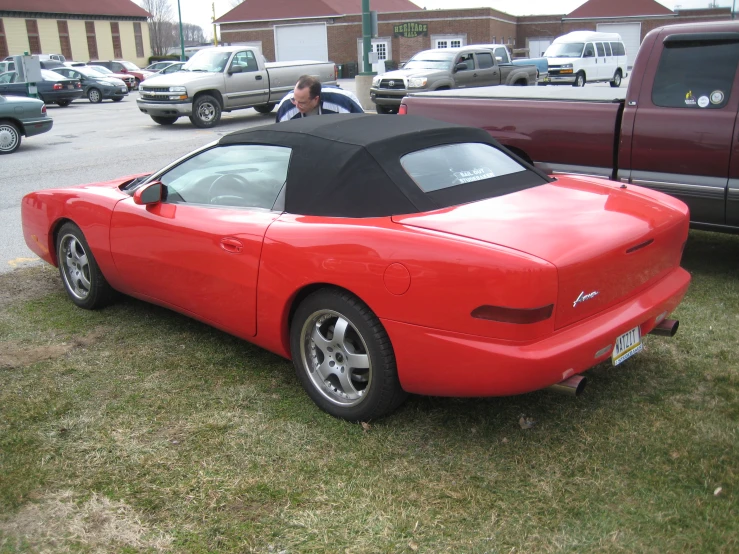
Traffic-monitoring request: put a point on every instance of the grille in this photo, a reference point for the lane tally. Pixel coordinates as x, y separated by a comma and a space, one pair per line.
145, 89
392, 84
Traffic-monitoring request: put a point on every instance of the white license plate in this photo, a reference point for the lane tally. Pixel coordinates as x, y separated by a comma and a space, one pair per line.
123, 89
627, 345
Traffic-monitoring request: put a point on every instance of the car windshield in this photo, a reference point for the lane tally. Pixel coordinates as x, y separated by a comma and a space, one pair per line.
446, 166
564, 50
207, 60
130, 66
430, 60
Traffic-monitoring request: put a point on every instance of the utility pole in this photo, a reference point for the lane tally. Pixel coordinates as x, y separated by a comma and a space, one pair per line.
366, 37
182, 38
215, 35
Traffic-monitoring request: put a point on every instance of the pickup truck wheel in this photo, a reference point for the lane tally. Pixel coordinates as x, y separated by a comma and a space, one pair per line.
164, 120
206, 112
10, 137
265, 108
579, 80
616, 80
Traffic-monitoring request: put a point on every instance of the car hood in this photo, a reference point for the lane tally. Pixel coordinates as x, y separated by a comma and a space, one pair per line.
601, 238
181, 78
401, 73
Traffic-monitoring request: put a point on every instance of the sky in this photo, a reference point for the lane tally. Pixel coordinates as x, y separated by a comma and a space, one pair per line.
199, 12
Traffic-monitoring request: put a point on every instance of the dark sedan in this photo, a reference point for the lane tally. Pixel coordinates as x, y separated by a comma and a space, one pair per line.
95, 86
52, 89
21, 117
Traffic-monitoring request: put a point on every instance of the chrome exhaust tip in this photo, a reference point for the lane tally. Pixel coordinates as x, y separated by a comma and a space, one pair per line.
666, 328
572, 386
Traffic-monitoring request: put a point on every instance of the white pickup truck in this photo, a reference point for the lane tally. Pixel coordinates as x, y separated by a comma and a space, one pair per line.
222, 79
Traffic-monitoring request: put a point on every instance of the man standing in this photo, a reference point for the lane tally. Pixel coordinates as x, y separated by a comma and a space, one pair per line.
308, 98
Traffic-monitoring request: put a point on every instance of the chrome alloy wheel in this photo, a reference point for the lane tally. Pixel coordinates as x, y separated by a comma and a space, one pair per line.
75, 266
206, 111
335, 358
9, 137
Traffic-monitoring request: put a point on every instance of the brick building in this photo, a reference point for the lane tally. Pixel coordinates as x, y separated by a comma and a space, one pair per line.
332, 29
80, 30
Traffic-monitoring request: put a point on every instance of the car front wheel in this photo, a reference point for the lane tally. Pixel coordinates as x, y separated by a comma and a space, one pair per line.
94, 96
84, 282
343, 357
10, 137
579, 80
206, 112
616, 80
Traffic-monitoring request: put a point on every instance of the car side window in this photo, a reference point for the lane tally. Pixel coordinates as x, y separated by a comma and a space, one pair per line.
239, 175
685, 80
468, 60
618, 49
116, 67
246, 60
589, 51
485, 60
608, 48
601, 50
501, 55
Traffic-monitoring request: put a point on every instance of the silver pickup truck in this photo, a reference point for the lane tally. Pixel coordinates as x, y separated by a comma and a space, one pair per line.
449, 68
222, 79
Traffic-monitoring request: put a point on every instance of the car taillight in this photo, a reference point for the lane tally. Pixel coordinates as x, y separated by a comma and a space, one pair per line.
43, 108
403, 110
79, 85
513, 315
58, 86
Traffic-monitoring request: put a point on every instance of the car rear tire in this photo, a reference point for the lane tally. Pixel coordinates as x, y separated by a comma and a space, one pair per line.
64, 103
206, 112
136, 84
616, 80
84, 282
116, 99
343, 357
164, 120
10, 137
94, 96
579, 80
265, 108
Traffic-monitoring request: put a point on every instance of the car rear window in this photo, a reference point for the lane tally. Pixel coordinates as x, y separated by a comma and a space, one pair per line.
450, 165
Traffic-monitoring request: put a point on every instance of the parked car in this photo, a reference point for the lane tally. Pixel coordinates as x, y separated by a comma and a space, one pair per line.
672, 129
95, 86
158, 66
586, 57
130, 80
223, 79
174, 67
503, 57
122, 66
425, 259
52, 89
21, 117
7, 66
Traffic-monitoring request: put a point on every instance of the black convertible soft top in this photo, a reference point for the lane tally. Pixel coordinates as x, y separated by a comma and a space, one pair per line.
348, 165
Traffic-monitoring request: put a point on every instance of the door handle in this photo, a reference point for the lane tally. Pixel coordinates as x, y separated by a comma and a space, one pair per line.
258, 77
474, 74
232, 245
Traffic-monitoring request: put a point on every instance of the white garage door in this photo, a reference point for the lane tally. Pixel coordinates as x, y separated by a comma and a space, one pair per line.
537, 46
301, 42
630, 34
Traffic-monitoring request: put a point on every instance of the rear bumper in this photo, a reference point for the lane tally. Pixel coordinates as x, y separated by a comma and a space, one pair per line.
160, 109
33, 127
443, 363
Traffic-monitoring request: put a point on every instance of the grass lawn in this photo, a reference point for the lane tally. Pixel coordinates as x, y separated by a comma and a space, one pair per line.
135, 429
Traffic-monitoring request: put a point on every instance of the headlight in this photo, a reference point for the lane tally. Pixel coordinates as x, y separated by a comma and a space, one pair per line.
376, 81
177, 89
566, 66
417, 82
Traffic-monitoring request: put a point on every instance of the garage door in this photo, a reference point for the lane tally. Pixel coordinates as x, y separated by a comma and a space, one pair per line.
537, 46
301, 42
630, 34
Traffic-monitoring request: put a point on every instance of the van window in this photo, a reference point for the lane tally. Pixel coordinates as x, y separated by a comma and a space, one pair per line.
685, 80
589, 51
601, 50
607, 46
485, 60
618, 49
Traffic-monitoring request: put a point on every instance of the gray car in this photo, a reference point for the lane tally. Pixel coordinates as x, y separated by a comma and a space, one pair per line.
19, 117
97, 87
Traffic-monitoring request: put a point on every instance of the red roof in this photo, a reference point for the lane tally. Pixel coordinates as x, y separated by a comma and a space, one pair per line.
623, 8
259, 10
120, 8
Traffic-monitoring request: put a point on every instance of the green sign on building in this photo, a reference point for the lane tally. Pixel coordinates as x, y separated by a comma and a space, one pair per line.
411, 30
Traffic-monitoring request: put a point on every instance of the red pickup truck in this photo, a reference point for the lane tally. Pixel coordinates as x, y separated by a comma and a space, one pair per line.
675, 129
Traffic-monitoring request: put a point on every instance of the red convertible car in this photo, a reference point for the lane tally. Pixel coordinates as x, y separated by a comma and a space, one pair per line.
384, 256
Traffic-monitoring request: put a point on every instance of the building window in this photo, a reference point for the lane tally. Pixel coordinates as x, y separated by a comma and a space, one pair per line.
3, 42
493, 42
115, 31
92, 43
63, 29
138, 39
448, 42
34, 42
381, 49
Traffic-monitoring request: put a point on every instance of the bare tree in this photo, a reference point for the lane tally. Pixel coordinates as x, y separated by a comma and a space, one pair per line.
160, 25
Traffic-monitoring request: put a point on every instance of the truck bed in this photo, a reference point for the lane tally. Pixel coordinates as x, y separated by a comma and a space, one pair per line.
557, 128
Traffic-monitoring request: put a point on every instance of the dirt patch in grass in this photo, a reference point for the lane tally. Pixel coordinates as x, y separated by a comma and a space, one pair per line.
59, 524
16, 355
28, 283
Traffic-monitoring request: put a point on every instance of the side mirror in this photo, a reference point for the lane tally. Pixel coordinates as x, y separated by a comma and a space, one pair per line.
148, 194
235, 69
460, 67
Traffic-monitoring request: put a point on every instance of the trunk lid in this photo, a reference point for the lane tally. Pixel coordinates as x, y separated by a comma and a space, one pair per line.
606, 242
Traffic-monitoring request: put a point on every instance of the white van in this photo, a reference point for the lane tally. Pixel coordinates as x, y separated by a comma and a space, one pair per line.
586, 57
